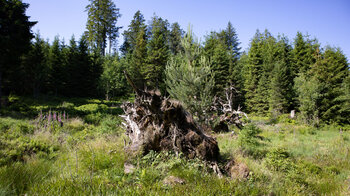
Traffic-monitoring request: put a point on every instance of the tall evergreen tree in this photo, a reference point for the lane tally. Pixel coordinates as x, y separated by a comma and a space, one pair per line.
175, 37
101, 24
158, 53
344, 99
73, 69
230, 37
139, 59
252, 72
279, 89
216, 50
330, 69
281, 84
130, 36
15, 37
56, 67
303, 53
35, 67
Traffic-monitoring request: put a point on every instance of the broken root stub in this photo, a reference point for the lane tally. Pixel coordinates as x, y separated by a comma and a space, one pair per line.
156, 123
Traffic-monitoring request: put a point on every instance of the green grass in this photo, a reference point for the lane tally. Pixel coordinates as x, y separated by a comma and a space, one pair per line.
84, 156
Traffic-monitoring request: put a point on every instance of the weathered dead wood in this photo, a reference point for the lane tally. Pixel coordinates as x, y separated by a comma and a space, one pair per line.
227, 115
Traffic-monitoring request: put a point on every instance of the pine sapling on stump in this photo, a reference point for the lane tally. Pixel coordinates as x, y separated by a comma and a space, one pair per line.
156, 123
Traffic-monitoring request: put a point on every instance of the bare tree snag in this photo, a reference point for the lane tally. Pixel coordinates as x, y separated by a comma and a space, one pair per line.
154, 122
227, 115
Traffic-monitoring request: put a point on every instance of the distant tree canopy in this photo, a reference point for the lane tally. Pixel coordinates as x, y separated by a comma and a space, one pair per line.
273, 76
101, 25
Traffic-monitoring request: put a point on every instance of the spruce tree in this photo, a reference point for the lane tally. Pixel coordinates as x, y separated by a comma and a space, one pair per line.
281, 81
130, 36
157, 54
175, 37
344, 99
15, 37
139, 59
330, 69
252, 72
73, 69
303, 53
279, 89
56, 67
101, 24
217, 52
89, 70
35, 67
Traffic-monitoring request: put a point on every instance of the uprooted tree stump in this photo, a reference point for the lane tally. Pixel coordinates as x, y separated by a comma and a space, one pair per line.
156, 123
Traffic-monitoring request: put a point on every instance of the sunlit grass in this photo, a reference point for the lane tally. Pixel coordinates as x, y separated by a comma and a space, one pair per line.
85, 156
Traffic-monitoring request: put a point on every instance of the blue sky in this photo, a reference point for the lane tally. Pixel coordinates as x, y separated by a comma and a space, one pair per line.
326, 20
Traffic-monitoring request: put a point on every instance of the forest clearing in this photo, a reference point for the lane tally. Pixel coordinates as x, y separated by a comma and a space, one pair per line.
165, 113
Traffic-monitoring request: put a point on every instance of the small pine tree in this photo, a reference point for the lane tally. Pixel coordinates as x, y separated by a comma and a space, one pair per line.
189, 78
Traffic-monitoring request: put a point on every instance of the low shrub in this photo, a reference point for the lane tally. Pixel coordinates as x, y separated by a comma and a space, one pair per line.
92, 108
94, 118
249, 141
110, 124
279, 159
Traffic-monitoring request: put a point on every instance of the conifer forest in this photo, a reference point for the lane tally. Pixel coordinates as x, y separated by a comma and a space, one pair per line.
162, 113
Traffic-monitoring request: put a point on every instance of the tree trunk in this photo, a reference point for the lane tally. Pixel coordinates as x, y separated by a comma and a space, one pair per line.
0, 89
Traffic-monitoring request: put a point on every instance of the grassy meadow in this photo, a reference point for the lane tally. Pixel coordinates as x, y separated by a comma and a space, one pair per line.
53, 146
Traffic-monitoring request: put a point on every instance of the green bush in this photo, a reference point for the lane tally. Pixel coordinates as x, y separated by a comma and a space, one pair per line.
66, 105
74, 125
110, 124
15, 150
94, 118
92, 108
279, 160
249, 141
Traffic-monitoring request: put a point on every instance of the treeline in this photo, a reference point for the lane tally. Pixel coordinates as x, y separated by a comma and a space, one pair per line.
274, 76
59, 69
